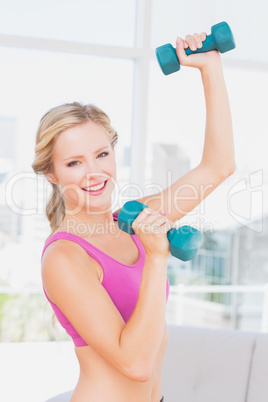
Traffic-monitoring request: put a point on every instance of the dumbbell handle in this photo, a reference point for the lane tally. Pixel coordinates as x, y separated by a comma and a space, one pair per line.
208, 45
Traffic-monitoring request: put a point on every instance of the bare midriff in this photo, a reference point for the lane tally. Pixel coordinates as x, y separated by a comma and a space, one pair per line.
99, 381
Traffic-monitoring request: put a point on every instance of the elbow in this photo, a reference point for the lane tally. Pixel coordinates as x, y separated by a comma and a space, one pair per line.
231, 170
224, 174
140, 376
139, 372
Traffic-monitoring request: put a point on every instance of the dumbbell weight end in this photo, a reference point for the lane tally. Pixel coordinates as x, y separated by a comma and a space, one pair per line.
184, 242
128, 214
167, 59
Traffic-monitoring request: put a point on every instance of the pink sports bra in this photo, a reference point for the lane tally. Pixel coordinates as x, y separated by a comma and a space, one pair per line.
121, 281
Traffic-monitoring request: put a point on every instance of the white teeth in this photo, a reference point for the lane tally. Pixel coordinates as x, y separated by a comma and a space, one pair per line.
95, 188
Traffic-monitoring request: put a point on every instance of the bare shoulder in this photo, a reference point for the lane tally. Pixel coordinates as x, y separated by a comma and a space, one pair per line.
66, 258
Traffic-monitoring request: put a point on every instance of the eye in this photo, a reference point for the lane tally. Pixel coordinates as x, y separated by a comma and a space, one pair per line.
72, 163
103, 153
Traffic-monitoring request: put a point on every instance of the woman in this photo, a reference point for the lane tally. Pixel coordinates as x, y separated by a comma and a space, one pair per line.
108, 288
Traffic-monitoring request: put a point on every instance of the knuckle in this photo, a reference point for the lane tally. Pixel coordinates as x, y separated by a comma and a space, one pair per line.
156, 226
191, 41
169, 224
144, 212
148, 210
135, 222
188, 37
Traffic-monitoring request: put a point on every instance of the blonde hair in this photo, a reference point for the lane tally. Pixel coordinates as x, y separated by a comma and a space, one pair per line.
51, 125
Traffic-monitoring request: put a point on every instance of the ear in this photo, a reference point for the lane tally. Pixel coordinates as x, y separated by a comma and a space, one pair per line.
51, 178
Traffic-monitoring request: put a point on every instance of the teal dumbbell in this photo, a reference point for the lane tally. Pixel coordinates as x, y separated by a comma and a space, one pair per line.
221, 39
184, 241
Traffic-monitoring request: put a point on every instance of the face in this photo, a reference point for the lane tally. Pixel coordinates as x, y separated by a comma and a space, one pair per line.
85, 168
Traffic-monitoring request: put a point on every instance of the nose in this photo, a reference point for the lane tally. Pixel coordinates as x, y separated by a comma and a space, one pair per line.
94, 171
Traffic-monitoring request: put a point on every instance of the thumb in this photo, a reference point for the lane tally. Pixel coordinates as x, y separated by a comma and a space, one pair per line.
180, 50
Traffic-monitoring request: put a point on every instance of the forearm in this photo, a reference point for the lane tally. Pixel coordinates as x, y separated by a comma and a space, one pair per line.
142, 335
219, 144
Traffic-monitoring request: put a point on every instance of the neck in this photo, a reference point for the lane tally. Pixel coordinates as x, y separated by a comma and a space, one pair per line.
85, 225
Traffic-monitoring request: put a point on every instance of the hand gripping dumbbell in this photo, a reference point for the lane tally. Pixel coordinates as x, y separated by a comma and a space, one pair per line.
184, 241
221, 39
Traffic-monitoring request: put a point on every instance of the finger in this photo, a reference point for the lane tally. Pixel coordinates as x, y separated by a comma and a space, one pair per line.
149, 222
164, 212
155, 219
144, 214
203, 36
185, 44
151, 227
180, 43
191, 42
167, 226
165, 223
158, 220
198, 40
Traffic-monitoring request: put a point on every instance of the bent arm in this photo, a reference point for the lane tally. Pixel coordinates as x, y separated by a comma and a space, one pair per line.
73, 284
141, 337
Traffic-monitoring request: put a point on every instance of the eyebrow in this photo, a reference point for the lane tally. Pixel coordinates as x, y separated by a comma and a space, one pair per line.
81, 156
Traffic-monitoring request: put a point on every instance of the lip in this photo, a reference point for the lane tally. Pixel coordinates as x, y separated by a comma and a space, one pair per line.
99, 191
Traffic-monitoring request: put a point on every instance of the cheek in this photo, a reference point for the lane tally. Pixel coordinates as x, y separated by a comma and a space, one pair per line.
70, 179
71, 192
111, 165
114, 168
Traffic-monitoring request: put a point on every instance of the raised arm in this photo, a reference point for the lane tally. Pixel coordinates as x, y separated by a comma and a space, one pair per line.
218, 159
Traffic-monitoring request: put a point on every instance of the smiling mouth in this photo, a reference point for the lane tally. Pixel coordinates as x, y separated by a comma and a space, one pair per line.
93, 189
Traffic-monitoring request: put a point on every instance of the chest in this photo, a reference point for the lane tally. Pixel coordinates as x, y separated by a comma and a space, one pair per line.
122, 247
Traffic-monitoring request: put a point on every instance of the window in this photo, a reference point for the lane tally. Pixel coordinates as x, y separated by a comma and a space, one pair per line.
100, 22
